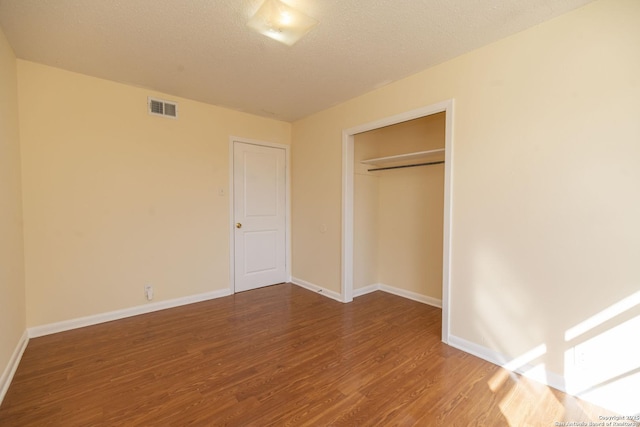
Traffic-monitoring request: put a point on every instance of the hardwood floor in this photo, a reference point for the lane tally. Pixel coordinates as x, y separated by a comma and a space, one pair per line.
281, 356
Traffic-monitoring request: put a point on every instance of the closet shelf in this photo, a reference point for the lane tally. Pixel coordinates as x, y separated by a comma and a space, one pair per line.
418, 156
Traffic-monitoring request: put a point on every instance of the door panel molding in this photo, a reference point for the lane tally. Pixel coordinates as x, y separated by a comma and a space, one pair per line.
232, 224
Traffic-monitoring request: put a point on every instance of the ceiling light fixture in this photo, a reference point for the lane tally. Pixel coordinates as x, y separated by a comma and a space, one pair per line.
281, 22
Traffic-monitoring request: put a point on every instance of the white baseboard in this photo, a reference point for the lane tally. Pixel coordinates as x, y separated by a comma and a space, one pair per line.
315, 288
411, 295
611, 396
65, 325
542, 376
399, 292
366, 290
14, 361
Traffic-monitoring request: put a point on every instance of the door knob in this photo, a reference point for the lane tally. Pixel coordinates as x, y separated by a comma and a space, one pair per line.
238, 225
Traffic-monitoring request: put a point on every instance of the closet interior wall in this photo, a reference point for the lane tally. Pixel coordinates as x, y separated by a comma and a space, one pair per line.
398, 213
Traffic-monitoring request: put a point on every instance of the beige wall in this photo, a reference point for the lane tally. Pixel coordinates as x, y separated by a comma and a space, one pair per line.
398, 241
12, 290
366, 212
411, 205
115, 198
546, 177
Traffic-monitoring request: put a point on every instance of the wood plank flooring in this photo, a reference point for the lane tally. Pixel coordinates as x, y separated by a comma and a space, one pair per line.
281, 356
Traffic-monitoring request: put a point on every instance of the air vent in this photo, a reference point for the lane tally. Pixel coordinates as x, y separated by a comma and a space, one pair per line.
159, 107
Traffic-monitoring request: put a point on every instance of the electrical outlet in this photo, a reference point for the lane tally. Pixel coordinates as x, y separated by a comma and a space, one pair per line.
148, 292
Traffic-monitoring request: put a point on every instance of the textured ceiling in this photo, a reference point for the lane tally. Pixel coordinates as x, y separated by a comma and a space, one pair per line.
203, 50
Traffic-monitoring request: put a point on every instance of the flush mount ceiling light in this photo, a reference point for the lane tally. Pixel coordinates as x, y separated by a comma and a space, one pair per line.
280, 22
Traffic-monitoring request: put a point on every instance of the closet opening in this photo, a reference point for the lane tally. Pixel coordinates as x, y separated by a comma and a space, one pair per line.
397, 207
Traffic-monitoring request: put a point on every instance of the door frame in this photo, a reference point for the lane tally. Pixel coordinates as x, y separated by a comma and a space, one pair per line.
232, 243
347, 200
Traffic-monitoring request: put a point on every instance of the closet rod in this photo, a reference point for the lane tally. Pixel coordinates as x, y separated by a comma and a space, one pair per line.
405, 166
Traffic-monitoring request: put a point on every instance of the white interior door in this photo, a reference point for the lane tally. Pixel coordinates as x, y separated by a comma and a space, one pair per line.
259, 186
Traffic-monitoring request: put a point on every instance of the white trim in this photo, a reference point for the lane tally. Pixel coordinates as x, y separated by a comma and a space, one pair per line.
411, 295
66, 325
542, 376
347, 200
288, 257
232, 234
12, 366
317, 289
447, 224
347, 216
434, 302
366, 290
